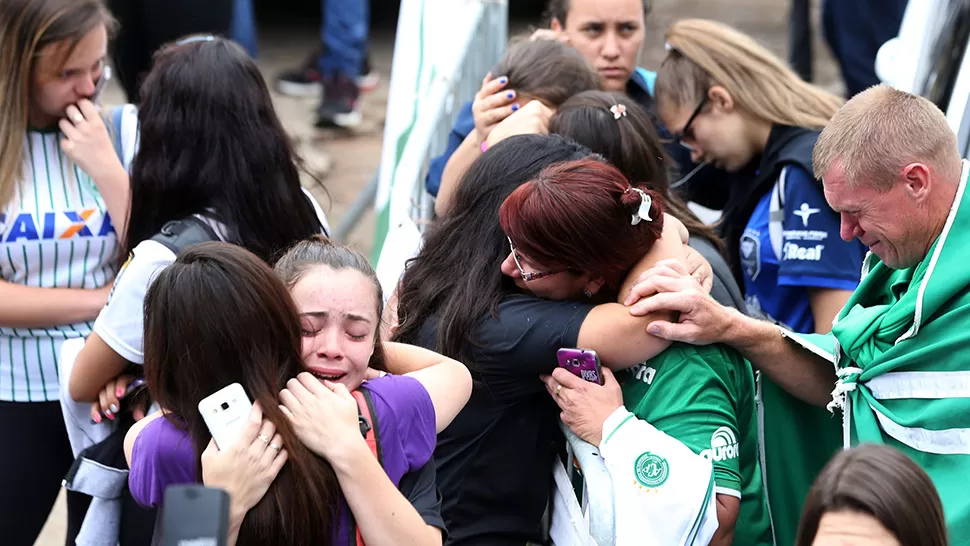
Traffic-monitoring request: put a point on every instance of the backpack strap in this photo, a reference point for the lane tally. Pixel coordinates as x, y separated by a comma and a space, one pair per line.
370, 430
178, 235
368, 426
776, 213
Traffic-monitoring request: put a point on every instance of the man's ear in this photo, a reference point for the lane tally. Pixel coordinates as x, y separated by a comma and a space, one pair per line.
555, 25
917, 180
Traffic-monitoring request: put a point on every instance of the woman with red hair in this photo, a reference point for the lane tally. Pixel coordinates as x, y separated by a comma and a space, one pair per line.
495, 461
575, 231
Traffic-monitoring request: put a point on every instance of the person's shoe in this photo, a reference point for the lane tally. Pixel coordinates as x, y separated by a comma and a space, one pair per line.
339, 107
304, 81
369, 79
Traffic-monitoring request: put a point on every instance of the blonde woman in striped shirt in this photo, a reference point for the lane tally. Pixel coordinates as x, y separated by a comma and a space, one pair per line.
63, 193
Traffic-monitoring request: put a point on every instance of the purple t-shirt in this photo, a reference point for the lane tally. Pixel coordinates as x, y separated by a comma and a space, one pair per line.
163, 455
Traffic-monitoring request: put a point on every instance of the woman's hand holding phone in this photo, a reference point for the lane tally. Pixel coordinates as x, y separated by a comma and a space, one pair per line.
585, 406
111, 396
246, 469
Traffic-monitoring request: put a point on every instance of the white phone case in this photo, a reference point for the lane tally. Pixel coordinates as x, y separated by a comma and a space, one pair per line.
225, 413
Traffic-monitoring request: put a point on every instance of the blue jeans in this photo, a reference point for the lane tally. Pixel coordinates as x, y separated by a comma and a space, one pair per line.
344, 36
242, 30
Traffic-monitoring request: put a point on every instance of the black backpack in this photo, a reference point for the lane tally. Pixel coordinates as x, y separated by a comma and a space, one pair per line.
178, 235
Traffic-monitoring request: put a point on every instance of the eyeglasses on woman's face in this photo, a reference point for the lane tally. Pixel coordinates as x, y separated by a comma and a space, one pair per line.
527, 277
688, 131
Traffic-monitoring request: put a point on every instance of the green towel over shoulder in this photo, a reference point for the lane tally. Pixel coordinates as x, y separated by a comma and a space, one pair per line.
901, 347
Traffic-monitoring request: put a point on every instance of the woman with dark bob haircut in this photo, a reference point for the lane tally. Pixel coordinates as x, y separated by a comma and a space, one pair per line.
877, 494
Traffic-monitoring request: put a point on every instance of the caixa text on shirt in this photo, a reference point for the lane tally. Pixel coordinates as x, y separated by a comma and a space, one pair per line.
55, 226
792, 251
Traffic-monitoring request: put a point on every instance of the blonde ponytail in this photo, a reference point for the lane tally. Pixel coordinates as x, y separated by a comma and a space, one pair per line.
706, 53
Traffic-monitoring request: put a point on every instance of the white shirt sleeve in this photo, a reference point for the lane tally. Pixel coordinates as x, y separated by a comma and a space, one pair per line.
129, 134
121, 323
663, 491
320, 214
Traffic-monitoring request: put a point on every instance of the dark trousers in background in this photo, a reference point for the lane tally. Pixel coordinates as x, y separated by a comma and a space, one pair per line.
145, 25
855, 30
800, 39
34, 459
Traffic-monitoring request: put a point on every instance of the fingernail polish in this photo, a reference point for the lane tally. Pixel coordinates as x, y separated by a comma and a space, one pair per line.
113, 408
119, 392
503, 80
110, 416
515, 107
96, 420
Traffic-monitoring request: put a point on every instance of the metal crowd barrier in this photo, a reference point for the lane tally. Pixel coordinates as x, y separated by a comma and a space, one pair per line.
437, 108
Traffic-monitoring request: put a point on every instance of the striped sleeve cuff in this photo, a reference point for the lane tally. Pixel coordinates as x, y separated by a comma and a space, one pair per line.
617, 419
727, 491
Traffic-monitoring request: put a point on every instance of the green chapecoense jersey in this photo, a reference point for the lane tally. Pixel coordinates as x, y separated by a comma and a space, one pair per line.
704, 397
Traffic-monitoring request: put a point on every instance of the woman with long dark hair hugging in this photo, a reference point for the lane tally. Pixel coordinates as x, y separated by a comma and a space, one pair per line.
495, 462
218, 316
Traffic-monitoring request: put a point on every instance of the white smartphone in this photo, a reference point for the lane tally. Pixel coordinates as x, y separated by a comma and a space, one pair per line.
225, 413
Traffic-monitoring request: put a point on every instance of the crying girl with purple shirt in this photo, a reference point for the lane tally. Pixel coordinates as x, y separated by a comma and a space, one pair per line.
298, 342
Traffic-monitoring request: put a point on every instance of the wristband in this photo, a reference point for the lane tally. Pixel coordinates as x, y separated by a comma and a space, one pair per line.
484, 146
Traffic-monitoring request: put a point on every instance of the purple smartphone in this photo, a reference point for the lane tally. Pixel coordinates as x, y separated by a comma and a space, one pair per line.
583, 363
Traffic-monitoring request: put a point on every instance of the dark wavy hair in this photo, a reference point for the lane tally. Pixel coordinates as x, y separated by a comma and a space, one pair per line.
576, 215
884, 483
320, 250
210, 143
456, 278
631, 143
252, 337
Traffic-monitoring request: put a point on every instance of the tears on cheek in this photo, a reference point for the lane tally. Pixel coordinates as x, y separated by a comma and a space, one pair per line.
307, 346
